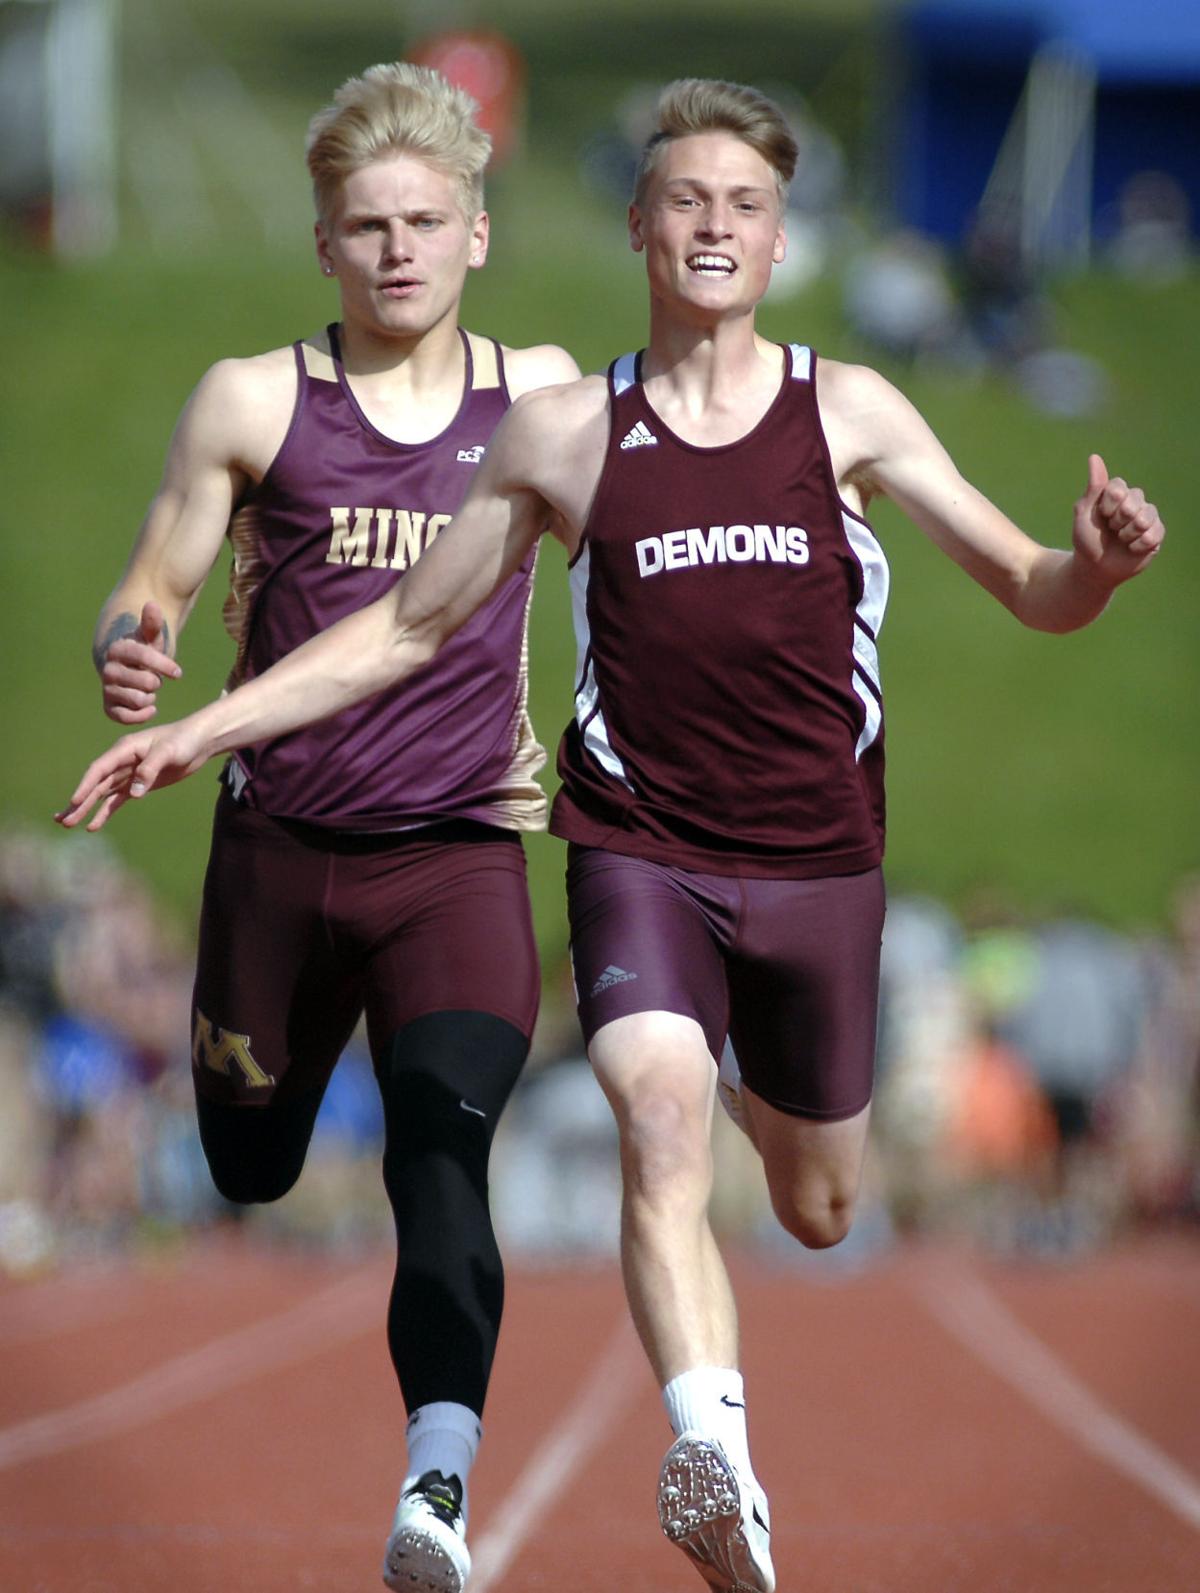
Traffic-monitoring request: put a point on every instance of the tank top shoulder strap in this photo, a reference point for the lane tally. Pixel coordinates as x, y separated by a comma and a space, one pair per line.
623, 374
318, 356
802, 362
485, 362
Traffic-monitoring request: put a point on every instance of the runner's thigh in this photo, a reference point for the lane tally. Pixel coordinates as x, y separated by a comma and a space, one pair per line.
448, 928
641, 943
804, 991
273, 1006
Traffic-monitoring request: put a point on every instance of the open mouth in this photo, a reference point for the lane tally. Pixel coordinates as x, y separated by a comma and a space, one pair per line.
399, 287
711, 265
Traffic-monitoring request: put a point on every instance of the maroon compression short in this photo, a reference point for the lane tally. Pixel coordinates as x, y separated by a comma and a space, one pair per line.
788, 968
302, 930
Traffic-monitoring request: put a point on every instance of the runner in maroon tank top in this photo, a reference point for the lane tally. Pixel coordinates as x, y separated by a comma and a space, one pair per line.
371, 862
722, 779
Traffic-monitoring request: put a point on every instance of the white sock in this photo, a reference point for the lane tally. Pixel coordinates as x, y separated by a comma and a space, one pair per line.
711, 1400
442, 1437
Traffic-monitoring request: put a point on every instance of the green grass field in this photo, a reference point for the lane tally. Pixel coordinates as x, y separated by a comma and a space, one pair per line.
1050, 770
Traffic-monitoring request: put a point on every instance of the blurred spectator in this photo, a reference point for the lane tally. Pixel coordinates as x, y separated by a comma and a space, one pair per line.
26, 1131
609, 156
1007, 313
1152, 244
1156, 1111
1000, 1127
923, 1025
94, 997
898, 298
1009, 318
1060, 382
1001, 1149
999, 959
556, 1179
1080, 1021
33, 910
919, 963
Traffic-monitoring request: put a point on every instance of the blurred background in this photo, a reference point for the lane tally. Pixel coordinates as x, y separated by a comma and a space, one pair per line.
997, 205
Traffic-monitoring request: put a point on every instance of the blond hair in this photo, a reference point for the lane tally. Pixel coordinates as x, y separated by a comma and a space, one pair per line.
708, 105
398, 109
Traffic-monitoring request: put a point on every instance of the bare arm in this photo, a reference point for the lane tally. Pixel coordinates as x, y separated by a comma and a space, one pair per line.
880, 444
228, 431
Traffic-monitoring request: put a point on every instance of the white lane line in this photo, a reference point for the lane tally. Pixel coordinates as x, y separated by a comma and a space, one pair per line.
613, 1385
343, 1311
980, 1320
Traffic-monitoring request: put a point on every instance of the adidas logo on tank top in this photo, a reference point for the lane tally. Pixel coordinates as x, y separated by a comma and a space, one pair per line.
639, 436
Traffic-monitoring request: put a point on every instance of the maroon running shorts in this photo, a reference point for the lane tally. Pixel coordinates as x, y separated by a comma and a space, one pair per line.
788, 968
303, 929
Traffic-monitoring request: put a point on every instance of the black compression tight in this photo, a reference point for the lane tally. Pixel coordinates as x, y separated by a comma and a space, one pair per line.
445, 1079
255, 1153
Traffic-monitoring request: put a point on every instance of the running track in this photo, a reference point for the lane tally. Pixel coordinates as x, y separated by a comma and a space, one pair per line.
225, 1420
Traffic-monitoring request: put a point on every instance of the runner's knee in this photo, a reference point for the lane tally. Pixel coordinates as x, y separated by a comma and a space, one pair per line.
255, 1153
665, 1149
445, 1079
817, 1213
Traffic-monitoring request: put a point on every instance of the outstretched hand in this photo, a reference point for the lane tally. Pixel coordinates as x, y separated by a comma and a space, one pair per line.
134, 766
134, 668
1116, 531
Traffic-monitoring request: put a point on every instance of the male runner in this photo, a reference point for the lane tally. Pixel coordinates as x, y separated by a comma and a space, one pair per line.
371, 862
722, 779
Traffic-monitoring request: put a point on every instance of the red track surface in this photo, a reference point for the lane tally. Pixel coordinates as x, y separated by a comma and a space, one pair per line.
227, 1420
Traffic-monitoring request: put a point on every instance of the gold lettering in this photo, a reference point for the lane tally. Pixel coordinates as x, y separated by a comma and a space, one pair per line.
350, 539
347, 546
383, 537
216, 1049
409, 526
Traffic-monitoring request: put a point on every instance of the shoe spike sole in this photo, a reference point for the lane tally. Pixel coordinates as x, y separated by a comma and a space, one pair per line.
417, 1564
700, 1511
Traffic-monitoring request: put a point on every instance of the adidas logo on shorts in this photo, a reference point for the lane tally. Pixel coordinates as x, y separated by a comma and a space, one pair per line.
611, 976
639, 436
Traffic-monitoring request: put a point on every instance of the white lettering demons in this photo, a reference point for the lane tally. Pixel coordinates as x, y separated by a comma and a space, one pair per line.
720, 544
383, 538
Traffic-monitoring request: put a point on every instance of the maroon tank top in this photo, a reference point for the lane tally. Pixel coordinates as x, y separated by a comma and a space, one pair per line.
343, 512
728, 715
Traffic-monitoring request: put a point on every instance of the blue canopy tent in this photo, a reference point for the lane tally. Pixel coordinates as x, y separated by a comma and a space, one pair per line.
1074, 94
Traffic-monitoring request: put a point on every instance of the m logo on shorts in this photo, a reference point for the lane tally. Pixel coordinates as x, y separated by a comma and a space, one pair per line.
611, 976
217, 1048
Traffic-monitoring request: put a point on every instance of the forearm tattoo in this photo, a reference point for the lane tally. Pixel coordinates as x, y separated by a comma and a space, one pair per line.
124, 625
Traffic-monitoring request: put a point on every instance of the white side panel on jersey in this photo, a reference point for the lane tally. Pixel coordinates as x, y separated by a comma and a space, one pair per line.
801, 362
624, 373
577, 579
588, 714
876, 581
